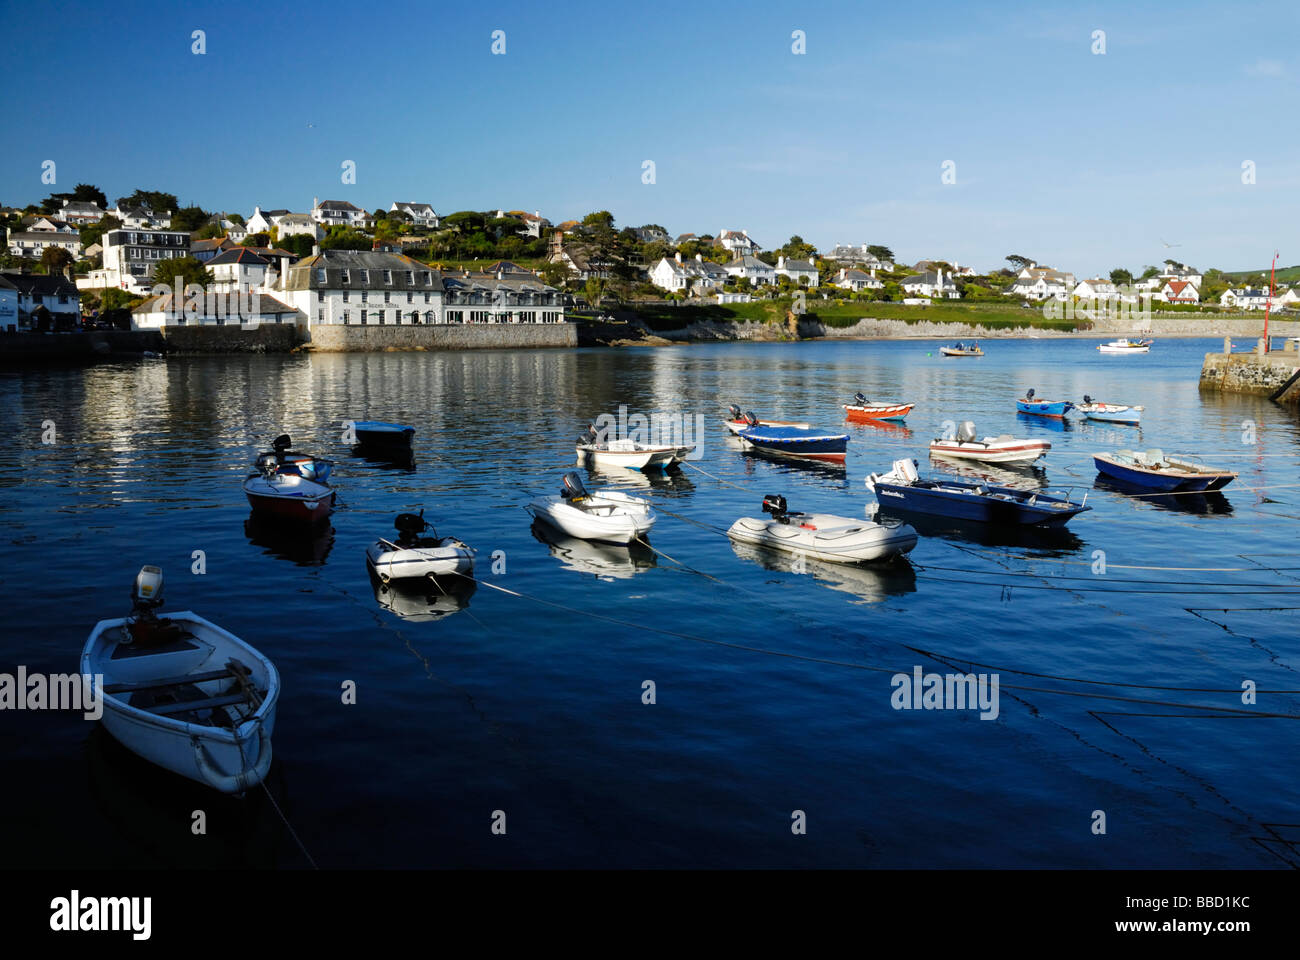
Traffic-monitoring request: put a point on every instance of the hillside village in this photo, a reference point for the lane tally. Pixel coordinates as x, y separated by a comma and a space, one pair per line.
74, 260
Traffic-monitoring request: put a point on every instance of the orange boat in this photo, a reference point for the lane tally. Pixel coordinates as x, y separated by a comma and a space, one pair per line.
862, 410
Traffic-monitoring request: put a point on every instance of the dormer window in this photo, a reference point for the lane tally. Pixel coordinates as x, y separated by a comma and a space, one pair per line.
388, 278
365, 276
426, 277
320, 276
344, 277
410, 278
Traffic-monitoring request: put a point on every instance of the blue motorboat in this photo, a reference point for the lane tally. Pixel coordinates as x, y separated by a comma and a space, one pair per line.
1152, 470
387, 437
1110, 412
802, 443
903, 490
286, 461
1043, 408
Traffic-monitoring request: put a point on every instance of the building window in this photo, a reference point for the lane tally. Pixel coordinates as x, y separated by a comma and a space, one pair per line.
344, 277
320, 276
426, 298
388, 278
347, 316
365, 296
365, 276
320, 316
345, 295
410, 277
410, 297
388, 297
426, 277
320, 296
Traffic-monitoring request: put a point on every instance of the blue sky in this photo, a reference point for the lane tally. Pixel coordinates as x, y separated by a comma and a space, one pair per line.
1082, 161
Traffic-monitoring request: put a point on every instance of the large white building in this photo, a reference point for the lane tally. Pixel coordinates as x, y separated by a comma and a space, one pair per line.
339, 212
130, 257
421, 214
800, 272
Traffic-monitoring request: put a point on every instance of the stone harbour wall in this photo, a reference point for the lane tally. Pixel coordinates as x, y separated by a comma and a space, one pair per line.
1253, 373
346, 338
232, 338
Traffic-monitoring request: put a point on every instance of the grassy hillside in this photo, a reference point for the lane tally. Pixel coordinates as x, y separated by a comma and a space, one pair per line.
993, 316
1284, 275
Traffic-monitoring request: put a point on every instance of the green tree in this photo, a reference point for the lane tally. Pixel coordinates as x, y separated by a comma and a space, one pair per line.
55, 260
1149, 272
555, 274
346, 238
796, 249
297, 243
1018, 262
594, 289
156, 200
182, 270
209, 231
94, 232
1120, 277
262, 240
188, 218
880, 252
86, 192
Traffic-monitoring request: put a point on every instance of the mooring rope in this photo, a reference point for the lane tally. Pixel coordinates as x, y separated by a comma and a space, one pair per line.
288, 826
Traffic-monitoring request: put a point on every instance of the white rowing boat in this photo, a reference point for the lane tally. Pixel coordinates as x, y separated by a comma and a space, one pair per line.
607, 515
184, 693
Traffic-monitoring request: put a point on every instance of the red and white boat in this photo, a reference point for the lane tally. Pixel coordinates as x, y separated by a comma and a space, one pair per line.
862, 410
288, 496
1001, 449
736, 421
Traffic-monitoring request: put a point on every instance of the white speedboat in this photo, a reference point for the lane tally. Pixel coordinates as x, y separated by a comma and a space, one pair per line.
413, 556
736, 422
823, 536
184, 693
1126, 346
626, 452
1000, 449
607, 515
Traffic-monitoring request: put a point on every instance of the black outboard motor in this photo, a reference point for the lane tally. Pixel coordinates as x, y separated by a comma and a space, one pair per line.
572, 488
281, 444
1029, 394
409, 527
751, 419
734, 411
859, 399
591, 436
774, 504
1087, 399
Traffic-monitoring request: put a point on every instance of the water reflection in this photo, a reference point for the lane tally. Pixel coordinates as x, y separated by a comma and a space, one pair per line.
607, 561
869, 582
1213, 502
144, 803
302, 544
1056, 541
1053, 424
424, 600
1023, 477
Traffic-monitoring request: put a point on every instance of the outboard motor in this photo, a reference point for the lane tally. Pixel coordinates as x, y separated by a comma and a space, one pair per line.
859, 399
267, 463
774, 504
1087, 399
281, 444
734, 411
1029, 394
572, 488
146, 592
409, 527
751, 419
590, 436
966, 431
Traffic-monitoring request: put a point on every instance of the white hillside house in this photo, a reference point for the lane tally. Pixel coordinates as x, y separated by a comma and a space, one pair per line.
802, 273
850, 278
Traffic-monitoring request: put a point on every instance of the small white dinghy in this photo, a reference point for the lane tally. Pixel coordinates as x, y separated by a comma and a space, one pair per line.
606, 515
627, 453
1001, 449
824, 536
413, 556
184, 693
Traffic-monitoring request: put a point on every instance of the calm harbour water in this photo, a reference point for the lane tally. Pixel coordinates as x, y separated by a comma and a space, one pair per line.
495, 702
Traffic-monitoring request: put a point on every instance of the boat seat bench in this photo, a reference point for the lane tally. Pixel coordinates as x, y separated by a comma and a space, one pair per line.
135, 687
185, 706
